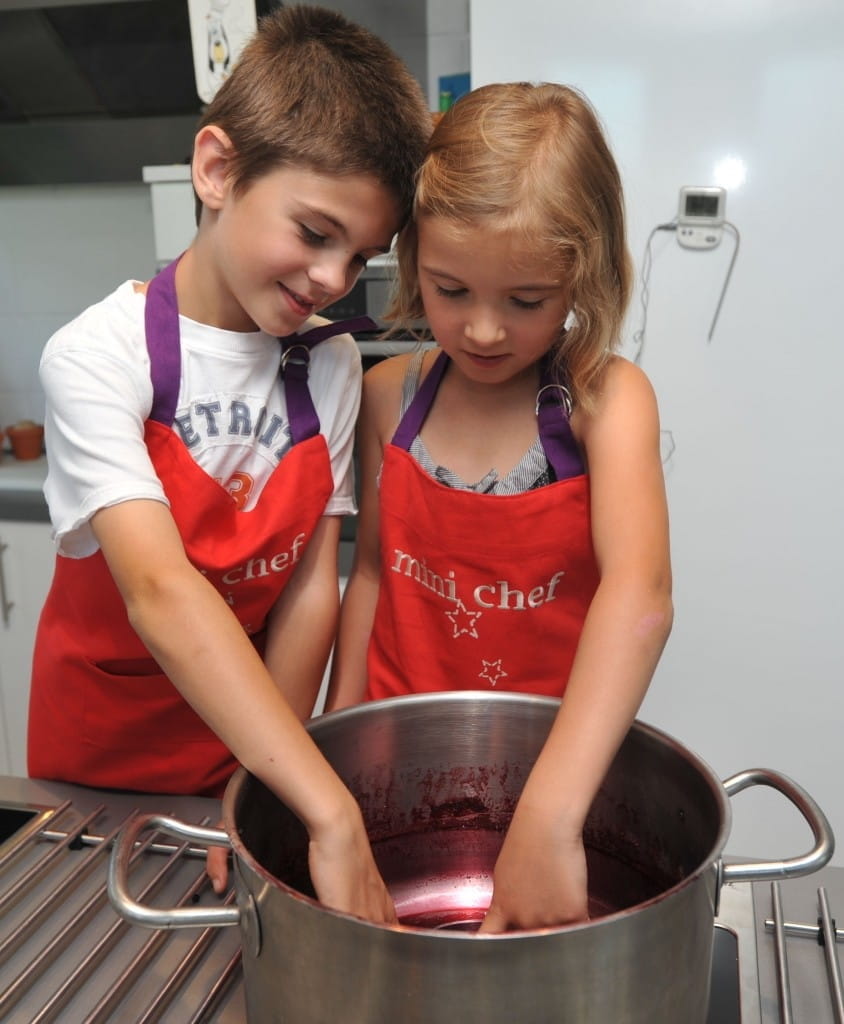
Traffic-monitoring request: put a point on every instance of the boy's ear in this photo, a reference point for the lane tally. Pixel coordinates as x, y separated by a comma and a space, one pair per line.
212, 151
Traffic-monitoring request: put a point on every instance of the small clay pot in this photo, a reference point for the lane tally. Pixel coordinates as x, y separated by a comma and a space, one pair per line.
27, 440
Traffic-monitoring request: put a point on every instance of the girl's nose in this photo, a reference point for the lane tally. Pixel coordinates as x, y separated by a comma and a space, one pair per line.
483, 328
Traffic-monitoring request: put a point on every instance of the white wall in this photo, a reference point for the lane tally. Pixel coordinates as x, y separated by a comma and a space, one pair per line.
753, 672
61, 248
448, 43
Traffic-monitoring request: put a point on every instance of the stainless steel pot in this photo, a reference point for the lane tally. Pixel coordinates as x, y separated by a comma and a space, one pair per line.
437, 777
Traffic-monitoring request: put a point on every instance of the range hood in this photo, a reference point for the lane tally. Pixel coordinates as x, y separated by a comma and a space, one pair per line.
92, 92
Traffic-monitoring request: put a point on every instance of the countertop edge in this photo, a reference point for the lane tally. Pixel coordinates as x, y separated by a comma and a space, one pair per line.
22, 489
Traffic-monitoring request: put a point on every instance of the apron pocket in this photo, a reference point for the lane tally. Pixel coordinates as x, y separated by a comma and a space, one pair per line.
138, 709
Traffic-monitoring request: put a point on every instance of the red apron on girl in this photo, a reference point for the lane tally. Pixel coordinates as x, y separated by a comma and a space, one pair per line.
101, 711
480, 591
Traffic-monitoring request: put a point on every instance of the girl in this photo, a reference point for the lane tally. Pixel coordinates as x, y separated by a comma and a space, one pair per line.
199, 433
513, 530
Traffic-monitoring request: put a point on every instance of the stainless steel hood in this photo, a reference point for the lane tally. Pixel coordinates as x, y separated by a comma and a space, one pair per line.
92, 92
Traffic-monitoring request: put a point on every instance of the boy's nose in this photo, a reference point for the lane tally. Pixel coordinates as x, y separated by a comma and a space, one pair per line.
332, 276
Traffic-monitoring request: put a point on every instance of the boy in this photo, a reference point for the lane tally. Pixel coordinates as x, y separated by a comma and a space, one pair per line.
195, 494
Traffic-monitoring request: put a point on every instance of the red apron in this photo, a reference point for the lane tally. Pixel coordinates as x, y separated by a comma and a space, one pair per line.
101, 711
477, 590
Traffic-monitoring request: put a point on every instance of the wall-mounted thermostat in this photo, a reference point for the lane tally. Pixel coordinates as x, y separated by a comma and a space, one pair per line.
700, 216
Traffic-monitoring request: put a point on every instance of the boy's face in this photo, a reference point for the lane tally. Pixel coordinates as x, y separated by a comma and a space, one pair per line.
294, 242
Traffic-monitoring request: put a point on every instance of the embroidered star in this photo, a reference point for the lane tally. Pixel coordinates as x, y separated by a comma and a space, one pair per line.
492, 671
464, 621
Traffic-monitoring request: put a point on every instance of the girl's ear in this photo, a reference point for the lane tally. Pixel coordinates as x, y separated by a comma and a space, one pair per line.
212, 152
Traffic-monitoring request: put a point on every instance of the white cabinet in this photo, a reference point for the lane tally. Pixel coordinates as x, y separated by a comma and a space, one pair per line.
173, 211
27, 557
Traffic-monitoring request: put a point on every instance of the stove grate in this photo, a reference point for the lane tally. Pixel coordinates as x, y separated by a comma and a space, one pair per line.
66, 955
824, 933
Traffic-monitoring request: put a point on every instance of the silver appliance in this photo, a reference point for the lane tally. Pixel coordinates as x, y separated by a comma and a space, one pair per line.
370, 294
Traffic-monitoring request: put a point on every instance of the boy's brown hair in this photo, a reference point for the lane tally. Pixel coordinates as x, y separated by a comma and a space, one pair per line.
312, 89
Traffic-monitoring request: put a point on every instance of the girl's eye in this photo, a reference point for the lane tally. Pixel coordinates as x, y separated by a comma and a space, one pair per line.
310, 237
525, 304
449, 293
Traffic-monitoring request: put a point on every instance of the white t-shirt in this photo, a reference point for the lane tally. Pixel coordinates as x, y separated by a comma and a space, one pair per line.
231, 411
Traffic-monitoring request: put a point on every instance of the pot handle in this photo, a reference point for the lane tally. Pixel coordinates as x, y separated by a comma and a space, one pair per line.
162, 917
814, 860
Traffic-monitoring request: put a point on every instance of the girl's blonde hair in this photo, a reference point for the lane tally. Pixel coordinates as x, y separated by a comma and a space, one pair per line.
534, 159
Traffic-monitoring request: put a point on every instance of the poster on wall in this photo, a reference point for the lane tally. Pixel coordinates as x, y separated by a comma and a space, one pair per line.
219, 29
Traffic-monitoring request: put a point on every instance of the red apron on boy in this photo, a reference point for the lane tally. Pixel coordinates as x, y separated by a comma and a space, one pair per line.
101, 711
480, 591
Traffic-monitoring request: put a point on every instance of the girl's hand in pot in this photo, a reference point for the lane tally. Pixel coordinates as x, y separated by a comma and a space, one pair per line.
539, 879
344, 873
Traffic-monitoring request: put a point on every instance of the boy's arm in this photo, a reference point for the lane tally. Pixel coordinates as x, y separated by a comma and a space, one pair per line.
198, 642
540, 876
302, 625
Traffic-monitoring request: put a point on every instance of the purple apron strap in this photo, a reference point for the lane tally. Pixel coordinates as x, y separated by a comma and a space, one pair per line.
161, 321
317, 334
295, 359
414, 417
553, 407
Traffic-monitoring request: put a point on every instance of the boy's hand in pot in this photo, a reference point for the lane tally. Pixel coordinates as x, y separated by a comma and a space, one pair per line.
344, 873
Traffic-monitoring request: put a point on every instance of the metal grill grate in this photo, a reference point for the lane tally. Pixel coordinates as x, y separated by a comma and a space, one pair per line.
65, 955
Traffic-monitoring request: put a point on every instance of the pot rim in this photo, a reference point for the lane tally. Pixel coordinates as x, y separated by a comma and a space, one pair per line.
330, 719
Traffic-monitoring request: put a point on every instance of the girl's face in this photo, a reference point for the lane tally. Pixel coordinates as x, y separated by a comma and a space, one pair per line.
493, 304
294, 242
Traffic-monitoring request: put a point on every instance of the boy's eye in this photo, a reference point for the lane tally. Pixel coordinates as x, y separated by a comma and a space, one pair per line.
311, 237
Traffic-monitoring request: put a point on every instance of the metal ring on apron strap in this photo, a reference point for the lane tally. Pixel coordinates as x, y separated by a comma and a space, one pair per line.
566, 395
288, 352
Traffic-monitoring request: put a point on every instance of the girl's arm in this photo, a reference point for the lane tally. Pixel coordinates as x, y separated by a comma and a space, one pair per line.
379, 409
200, 645
540, 876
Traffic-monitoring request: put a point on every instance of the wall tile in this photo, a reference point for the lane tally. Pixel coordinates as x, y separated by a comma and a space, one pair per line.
61, 248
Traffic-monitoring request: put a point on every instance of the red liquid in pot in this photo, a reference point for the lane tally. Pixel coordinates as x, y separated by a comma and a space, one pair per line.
442, 879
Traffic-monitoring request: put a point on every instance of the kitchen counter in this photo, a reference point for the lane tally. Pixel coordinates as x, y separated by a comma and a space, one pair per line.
21, 489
